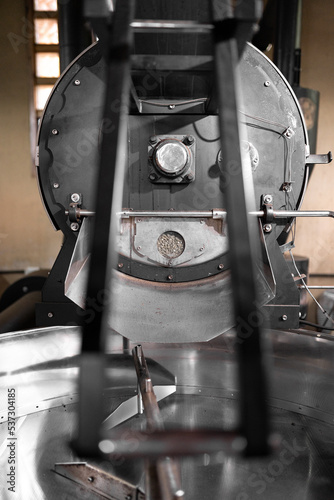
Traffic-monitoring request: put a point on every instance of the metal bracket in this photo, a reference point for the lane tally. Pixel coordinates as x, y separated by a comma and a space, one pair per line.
267, 205
98, 481
319, 159
75, 204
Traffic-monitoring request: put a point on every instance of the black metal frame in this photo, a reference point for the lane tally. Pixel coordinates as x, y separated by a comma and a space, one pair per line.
254, 422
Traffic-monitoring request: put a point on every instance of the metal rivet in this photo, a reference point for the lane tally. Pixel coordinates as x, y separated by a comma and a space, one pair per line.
170, 277
267, 198
267, 83
120, 265
75, 197
152, 177
201, 249
56, 185
138, 220
189, 177
90, 479
77, 82
284, 317
267, 228
50, 314
74, 226
153, 139
202, 221
171, 106
221, 266
139, 248
55, 131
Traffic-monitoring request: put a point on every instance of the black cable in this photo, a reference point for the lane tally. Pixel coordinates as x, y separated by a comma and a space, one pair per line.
309, 323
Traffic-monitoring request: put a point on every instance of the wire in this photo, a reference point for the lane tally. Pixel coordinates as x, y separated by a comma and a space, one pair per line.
309, 291
309, 323
258, 118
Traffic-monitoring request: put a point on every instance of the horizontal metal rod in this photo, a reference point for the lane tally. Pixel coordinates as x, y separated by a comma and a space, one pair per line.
174, 442
317, 287
215, 213
161, 26
300, 213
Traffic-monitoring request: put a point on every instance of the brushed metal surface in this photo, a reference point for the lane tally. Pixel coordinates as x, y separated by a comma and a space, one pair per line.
37, 365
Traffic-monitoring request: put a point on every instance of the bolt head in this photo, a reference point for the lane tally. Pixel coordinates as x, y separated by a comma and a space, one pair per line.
190, 139
221, 266
50, 314
74, 226
267, 228
77, 82
170, 277
153, 139
268, 198
55, 185
120, 265
189, 177
55, 131
171, 106
75, 197
284, 317
152, 177
267, 83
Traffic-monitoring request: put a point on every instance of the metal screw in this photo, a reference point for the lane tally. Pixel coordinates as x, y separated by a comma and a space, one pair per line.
267, 228
267, 83
190, 139
153, 139
267, 198
77, 82
201, 249
75, 197
120, 265
139, 248
74, 226
90, 479
284, 317
55, 131
50, 314
56, 185
202, 221
221, 266
189, 177
152, 177
171, 106
138, 220
170, 277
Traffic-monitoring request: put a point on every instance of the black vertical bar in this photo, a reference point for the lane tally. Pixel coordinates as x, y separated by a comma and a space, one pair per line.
70, 28
244, 251
285, 42
117, 49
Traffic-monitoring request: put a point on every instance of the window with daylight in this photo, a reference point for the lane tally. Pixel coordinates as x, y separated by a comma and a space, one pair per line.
46, 50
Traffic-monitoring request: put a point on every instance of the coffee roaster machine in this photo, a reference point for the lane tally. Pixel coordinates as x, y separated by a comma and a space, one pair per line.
174, 158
